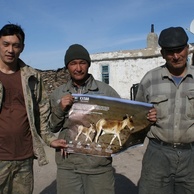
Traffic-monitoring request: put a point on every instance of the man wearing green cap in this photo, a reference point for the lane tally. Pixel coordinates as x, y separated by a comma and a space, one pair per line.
76, 173
168, 163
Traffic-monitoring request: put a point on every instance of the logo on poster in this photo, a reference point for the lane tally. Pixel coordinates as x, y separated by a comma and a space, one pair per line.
84, 99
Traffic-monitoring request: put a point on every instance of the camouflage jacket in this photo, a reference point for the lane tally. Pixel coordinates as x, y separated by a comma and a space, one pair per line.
37, 108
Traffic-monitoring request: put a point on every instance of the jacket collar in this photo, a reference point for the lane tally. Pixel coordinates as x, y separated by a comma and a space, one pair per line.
89, 85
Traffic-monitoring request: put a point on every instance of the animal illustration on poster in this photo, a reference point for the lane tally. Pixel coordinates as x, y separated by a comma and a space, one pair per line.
104, 126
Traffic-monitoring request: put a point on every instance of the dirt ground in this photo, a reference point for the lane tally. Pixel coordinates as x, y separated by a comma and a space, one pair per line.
127, 167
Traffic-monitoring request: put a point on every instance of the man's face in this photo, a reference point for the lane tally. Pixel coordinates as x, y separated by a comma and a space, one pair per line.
78, 70
176, 59
10, 49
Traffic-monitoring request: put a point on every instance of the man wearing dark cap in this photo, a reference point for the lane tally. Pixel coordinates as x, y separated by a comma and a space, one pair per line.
76, 173
168, 163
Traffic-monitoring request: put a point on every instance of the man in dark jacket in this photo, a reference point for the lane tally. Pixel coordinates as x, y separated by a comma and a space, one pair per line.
79, 174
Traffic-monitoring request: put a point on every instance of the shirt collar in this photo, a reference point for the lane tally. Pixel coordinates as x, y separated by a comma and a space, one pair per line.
189, 71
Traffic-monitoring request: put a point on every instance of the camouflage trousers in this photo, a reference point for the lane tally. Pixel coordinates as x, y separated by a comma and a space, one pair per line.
16, 177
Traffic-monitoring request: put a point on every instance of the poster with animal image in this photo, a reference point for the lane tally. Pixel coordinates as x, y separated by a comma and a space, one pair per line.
105, 126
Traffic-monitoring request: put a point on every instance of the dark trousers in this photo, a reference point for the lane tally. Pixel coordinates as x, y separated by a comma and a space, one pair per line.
167, 170
71, 182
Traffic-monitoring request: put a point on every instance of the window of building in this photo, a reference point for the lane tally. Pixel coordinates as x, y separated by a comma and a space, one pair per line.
105, 73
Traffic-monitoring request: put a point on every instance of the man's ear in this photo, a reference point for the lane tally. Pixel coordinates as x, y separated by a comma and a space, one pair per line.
162, 51
22, 48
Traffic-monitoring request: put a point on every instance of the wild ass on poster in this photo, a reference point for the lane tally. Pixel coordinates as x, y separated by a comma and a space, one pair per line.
85, 131
114, 127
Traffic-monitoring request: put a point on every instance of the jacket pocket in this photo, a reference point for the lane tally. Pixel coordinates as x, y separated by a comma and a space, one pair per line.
160, 102
190, 105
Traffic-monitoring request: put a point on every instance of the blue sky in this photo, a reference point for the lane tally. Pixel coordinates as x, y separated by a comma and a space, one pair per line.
99, 25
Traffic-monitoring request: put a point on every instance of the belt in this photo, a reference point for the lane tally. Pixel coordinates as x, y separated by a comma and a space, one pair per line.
174, 145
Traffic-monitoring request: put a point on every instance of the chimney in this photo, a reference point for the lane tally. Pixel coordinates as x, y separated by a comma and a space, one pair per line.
152, 39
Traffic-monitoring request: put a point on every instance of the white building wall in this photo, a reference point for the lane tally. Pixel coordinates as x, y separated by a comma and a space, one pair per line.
123, 71
125, 67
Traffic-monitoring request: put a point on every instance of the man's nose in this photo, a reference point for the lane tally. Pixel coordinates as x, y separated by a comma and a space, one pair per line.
175, 55
10, 48
78, 67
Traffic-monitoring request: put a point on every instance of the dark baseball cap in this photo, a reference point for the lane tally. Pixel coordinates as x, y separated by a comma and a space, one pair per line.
173, 38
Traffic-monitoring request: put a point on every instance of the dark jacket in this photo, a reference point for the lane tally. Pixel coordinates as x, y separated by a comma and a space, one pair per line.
59, 120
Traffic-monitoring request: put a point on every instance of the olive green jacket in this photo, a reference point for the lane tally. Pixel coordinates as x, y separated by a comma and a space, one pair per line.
37, 108
59, 122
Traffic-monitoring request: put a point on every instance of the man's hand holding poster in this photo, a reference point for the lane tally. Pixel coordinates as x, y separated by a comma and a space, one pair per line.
104, 126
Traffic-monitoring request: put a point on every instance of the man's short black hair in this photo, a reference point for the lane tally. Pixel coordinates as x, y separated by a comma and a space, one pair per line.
13, 29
